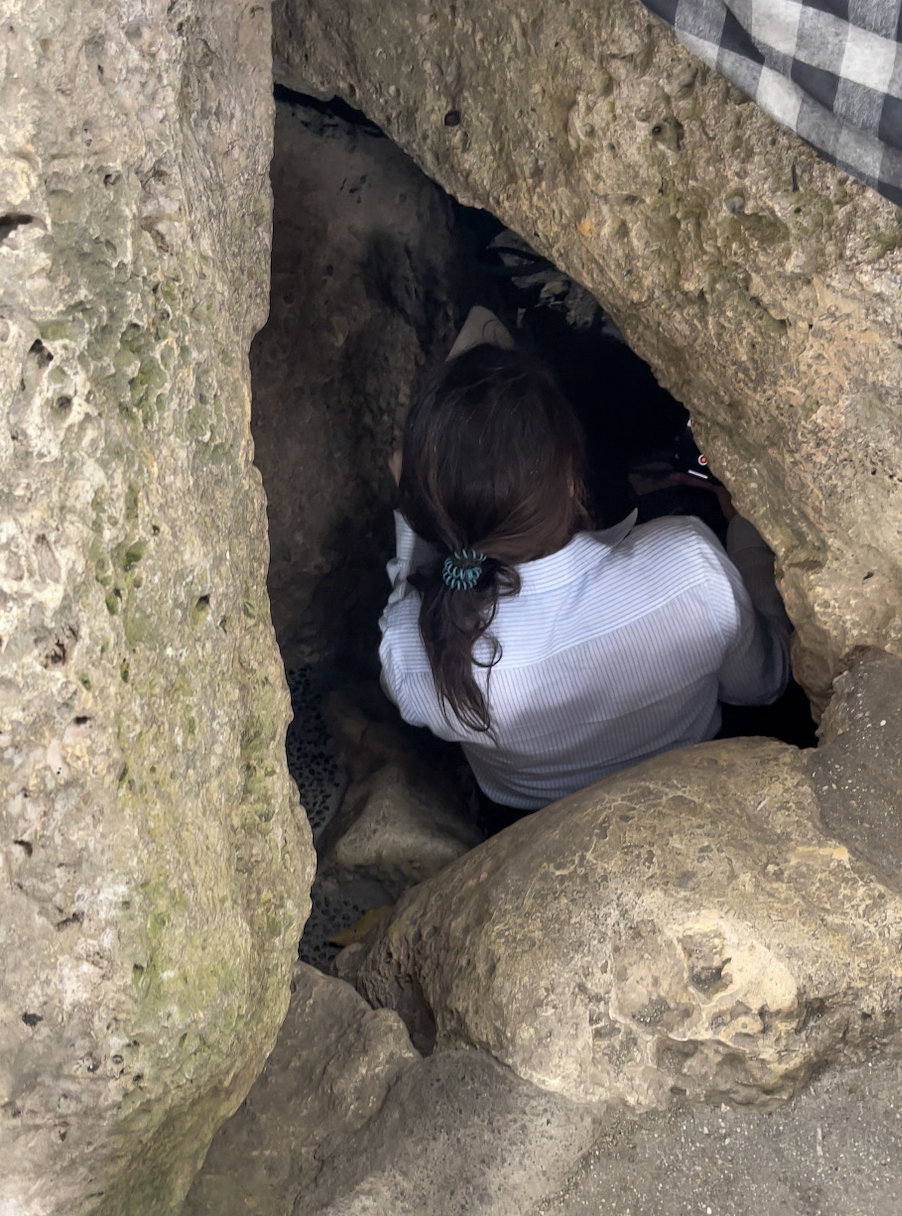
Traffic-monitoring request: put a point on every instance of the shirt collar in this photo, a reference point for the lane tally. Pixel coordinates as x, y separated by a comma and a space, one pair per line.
568, 563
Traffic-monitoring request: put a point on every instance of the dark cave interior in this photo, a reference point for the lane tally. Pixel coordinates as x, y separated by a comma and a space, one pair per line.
637, 433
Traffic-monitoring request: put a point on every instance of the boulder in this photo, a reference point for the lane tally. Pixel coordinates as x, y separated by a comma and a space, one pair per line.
458, 1134
330, 1072
404, 816
346, 1118
760, 283
402, 831
685, 927
156, 864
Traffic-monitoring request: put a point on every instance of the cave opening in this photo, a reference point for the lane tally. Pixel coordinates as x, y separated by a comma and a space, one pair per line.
374, 268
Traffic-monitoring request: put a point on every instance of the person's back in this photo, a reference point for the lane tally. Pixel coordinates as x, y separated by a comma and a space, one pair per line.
556, 654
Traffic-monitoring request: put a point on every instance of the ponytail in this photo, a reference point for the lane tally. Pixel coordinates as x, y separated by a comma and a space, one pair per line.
493, 462
452, 623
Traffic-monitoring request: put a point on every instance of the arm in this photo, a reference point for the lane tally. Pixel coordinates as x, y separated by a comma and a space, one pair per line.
756, 669
411, 553
754, 560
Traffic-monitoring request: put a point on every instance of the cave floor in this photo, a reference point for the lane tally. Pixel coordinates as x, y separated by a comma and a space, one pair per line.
835, 1151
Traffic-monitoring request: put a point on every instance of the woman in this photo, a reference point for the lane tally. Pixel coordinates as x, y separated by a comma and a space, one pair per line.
553, 653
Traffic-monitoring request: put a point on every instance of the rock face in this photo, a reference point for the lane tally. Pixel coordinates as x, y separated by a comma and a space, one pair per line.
760, 283
155, 862
837, 1149
346, 1119
329, 1074
402, 831
403, 818
366, 264
857, 769
684, 927
457, 1134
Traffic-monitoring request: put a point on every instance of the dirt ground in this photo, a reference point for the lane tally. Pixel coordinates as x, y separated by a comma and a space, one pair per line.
835, 1151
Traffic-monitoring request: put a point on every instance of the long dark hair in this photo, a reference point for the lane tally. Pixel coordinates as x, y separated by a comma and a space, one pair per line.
493, 460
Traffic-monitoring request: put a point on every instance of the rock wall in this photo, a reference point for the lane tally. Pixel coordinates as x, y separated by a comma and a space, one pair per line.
155, 861
761, 284
346, 1119
367, 267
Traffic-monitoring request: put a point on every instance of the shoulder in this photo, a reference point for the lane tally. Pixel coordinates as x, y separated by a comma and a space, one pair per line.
676, 566
674, 543
675, 530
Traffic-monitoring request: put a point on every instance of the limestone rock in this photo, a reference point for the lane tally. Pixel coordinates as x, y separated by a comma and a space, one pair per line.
760, 283
333, 1064
366, 263
684, 927
457, 1136
403, 818
155, 861
857, 768
402, 832
346, 1118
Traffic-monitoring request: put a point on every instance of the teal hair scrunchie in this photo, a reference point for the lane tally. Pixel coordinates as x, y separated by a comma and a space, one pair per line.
461, 570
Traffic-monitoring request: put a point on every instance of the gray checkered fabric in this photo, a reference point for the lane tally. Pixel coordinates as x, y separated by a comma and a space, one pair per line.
830, 70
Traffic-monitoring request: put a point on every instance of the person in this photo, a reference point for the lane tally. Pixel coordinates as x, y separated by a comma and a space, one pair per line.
554, 653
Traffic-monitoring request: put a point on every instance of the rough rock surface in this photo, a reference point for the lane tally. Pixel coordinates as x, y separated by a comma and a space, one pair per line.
155, 863
857, 769
366, 266
346, 1118
403, 831
331, 1069
684, 927
761, 284
458, 1136
401, 819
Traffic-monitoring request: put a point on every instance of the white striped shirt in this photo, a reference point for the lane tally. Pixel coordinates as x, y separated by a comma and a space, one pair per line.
617, 647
